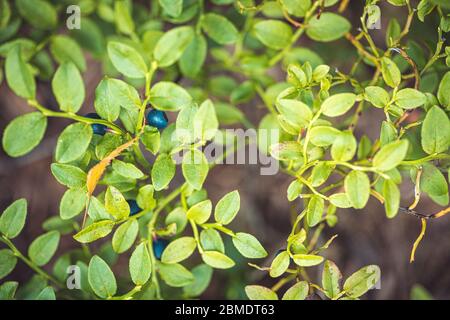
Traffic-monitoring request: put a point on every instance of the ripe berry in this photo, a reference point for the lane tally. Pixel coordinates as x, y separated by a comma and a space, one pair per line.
159, 245
134, 208
157, 119
99, 129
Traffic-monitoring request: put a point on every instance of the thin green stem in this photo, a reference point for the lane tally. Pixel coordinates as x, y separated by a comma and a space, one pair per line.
435, 156
58, 114
129, 295
30, 263
296, 35
148, 83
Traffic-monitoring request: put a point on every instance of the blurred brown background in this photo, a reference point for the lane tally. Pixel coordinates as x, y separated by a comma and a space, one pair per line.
365, 236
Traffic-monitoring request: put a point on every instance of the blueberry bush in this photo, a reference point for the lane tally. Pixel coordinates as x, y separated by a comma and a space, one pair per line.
200, 61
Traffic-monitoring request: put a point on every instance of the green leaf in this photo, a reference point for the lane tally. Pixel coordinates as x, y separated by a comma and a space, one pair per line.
307, 260
177, 216
127, 60
296, 8
95, 231
151, 139
125, 236
193, 58
73, 142
172, 44
68, 87
434, 184
72, 203
168, 96
298, 291
255, 292
393, 32
145, 199
323, 136
243, 93
44, 247
127, 170
328, 27
295, 112
205, 121
27, 48
391, 195
8, 288
388, 133
172, 7
314, 211
418, 292
68, 175
140, 265
410, 98
391, 73
344, 147
444, 89
331, 276
280, 264
46, 294
321, 173
377, 96
56, 223
211, 240
294, 190
219, 28
111, 94
390, 155
116, 204
338, 104
97, 210
106, 103
202, 277
18, 74
5, 16
8, 262
362, 281
227, 207
123, 19
195, 168
273, 34
289, 150
163, 171
357, 188
101, 278
13, 218
65, 49
340, 200
248, 246
228, 114
179, 250
436, 131
175, 275
217, 260
185, 124
24, 133
39, 13
200, 212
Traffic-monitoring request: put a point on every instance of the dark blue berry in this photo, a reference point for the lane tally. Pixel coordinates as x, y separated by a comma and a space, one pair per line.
134, 208
157, 119
99, 129
159, 245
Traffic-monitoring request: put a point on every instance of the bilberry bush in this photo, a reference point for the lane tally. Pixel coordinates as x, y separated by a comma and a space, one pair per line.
196, 62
